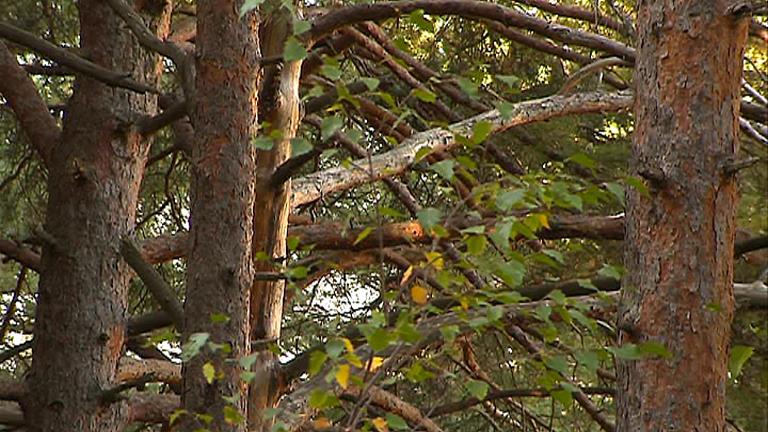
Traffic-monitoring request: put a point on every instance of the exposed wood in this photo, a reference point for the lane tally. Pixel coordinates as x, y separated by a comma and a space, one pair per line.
316, 185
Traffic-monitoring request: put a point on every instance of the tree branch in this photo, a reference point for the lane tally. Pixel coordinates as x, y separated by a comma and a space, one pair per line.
160, 290
471, 9
32, 112
314, 186
72, 61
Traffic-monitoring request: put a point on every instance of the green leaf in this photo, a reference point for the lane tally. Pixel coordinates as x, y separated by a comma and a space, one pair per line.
563, 396
450, 332
444, 168
320, 399
467, 85
300, 26
247, 361
219, 318
481, 131
363, 234
654, 349
416, 373
637, 184
329, 126
478, 389
396, 422
232, 416
508, 198
379, 339
740, 354
334, 347
429, 217
294, 50
332, 72
417, 17
299, 146
626, 352
249, 5
371, 83
292, 242
617, 190
316, 361
425, 95
583, 160
209, 372
587, 283
421, 153
262, 142
588, 359
558, 364
193, 346
495, 313
610, 271
505, 110
511, 81
476, 244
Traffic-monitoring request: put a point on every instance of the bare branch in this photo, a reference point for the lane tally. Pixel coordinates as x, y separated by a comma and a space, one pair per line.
160, 290
72, 61
471, 9
314, 186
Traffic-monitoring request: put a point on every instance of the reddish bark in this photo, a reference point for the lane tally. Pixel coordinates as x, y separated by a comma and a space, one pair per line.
94, 176
220, 268
679, 238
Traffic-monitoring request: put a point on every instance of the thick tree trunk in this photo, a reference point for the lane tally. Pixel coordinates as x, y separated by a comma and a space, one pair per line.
679, 237
220, 267
279, 107
93, 184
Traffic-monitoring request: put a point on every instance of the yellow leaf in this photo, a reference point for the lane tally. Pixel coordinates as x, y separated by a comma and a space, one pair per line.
406, 275
354, 360
543, 221
376, 363
342, 376
348, 345
464, 303
419, 294
321, 423
380, 424
435, 259
209, 372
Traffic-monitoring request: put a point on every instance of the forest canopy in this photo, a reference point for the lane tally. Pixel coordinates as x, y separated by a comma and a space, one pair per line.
431, 215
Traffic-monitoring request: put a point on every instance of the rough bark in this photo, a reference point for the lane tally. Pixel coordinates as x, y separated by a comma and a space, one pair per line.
679, 237
220, 268
279, 108
94, 176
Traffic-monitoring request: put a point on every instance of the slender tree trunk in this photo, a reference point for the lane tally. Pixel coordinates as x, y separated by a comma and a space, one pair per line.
93, 184
279, 107
679, 237
220, 267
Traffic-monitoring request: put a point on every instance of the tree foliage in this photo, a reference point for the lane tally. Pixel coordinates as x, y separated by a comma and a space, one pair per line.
454, 244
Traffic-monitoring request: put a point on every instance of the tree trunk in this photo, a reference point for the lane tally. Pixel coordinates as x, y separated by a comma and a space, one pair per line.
279, 108
220, 267
93, 183
679, 237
